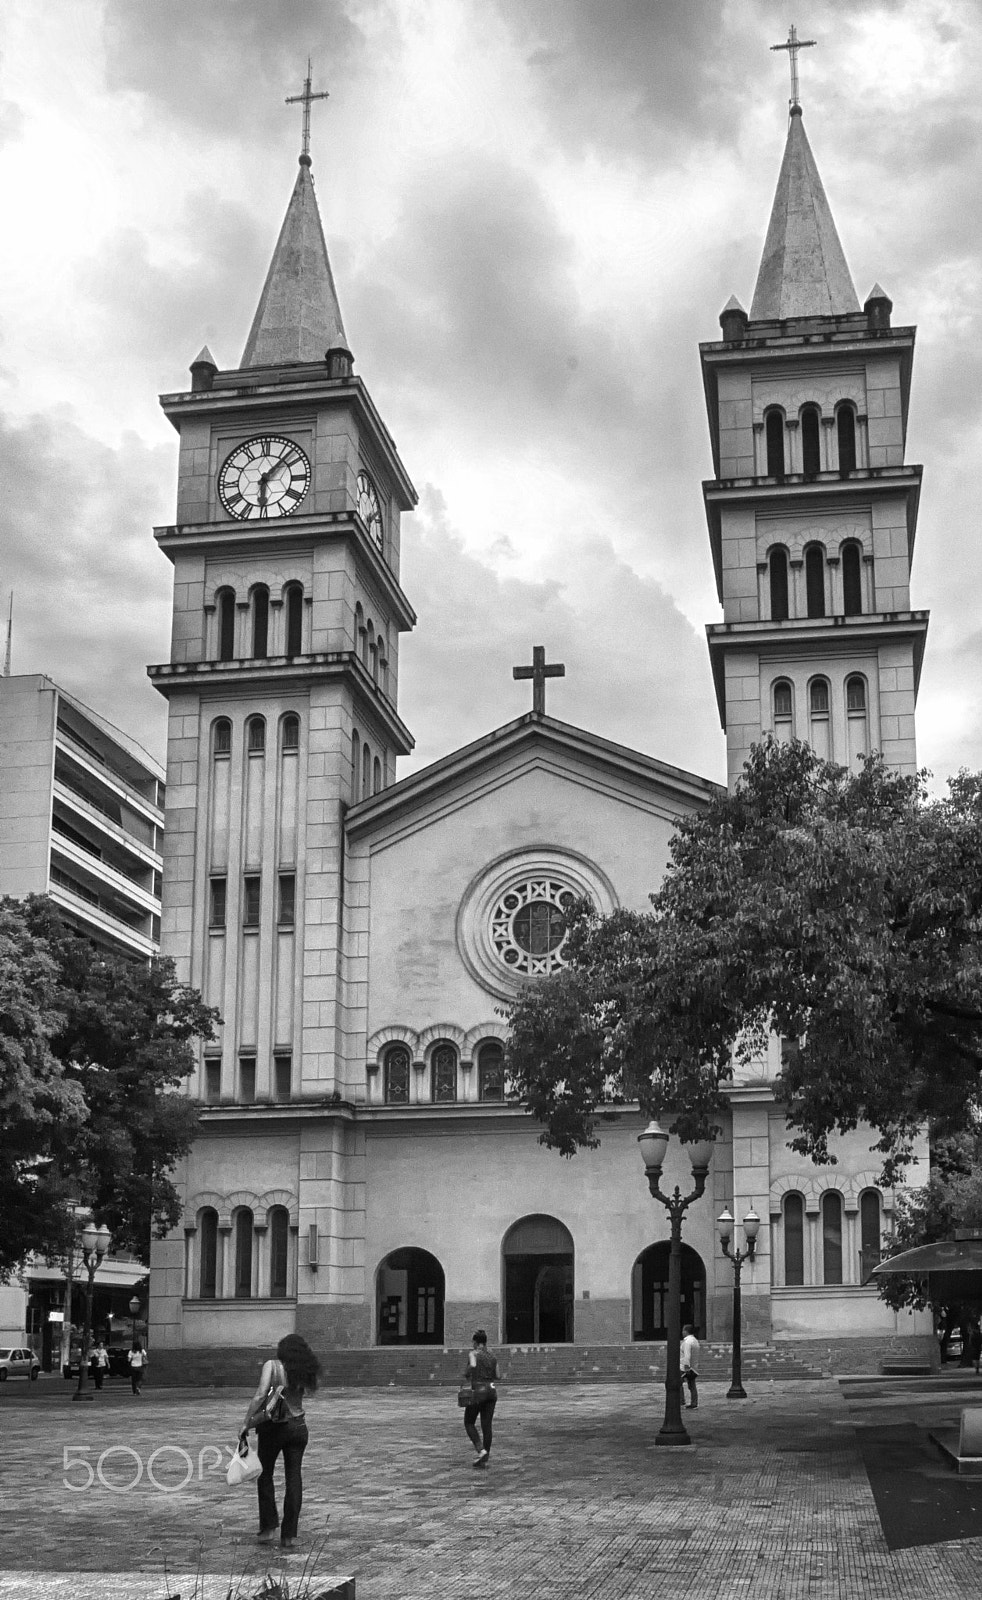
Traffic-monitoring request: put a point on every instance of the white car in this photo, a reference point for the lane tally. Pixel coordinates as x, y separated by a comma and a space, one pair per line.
18, 1364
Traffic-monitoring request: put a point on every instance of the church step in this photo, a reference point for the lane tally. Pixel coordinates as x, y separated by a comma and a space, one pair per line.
425, 1365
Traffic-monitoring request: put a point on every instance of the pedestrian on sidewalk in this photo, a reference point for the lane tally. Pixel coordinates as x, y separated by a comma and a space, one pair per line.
139, 1361
276, 1411
481, 1373
689, 1354
99, 1361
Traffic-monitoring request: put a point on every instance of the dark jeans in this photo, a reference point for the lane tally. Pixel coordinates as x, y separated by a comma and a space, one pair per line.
482, 1440
272, 1437
136, 1378
97, 1375
689, 1379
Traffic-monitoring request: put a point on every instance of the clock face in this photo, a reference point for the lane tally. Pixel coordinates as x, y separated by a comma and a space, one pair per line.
265, 477
369, 507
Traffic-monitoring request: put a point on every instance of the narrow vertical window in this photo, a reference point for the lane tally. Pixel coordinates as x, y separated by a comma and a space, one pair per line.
355, 766
819, 736
845, 424
282, 1076
226, 625
376, 775
279, 1234
223, 738
366, 772
218, 896
208, 1254
815, 580
774, 434
444, 1073
852, 582
256, 736
251, 896
870, 1248
243, 1254
294, 619
291, 733
783, 710
857, 720
247, 1079
396, 1075
491, 1072
288, 894
260, 621
794, 1240
213, 1081
811, 449
832, 1236
779, 585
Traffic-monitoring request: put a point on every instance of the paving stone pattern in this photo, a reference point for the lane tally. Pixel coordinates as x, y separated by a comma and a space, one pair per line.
771, 1501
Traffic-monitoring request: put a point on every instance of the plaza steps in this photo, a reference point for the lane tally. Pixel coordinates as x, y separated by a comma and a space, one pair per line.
424, 1366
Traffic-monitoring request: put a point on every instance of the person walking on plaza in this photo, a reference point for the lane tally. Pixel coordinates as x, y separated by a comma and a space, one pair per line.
137, 1358
276, 1411
99, 1361
481, 1374
689, 1356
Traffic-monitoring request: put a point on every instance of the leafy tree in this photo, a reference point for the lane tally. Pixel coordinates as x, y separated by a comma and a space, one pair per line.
842, 911
119, 1036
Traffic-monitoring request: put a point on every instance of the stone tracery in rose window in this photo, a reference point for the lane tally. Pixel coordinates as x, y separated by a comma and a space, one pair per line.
527, 926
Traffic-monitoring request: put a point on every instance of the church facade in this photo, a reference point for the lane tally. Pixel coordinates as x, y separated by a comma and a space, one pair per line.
361, 1175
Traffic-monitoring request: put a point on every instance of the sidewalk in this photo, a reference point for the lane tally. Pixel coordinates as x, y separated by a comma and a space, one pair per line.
773, 1500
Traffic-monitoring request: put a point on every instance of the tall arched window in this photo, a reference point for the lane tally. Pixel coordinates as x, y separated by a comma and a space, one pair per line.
783, 710
778, 565
226, 624
444, 1069
395, 1075
845, 425
279, 1236
832, 1236
857, 720
811, 448
870, 1229
243, 1254
815, 580
376, 775
491, 1072
774, 435
291, 733
294, 619
222, 737
794, 1240
208, 1254
355, 765
260, 621
256, 735
819, 736
366, 771
852, 581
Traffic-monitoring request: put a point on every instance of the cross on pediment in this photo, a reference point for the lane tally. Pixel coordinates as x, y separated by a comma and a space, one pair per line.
539, 672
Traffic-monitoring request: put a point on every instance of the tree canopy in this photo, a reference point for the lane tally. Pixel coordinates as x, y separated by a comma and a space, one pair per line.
92, 1047
841, 911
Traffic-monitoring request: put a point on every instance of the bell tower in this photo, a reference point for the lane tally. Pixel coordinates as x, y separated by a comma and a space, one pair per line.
812, 509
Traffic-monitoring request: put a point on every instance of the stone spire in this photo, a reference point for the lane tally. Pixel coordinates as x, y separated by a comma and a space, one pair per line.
803, 271
298, 318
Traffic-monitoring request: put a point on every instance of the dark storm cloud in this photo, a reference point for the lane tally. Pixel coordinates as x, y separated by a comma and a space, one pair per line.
226, 67
90, 608
456, 670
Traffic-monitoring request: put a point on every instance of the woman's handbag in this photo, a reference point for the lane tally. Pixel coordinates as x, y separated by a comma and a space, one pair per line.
244, 1466
476, 1394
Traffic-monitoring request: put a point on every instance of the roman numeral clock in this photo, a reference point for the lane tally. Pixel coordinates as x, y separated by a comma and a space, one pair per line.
265, 477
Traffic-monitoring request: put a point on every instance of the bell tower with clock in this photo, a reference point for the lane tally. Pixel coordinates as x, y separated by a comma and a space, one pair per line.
282, 689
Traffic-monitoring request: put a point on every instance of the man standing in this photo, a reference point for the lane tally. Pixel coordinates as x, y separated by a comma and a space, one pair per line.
689, 1356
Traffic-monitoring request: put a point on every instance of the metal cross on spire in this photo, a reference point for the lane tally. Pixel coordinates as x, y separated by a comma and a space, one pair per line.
792, 45
304, 99
539, 672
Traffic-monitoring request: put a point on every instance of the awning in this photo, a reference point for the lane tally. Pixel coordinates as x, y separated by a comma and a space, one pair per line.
953, 1268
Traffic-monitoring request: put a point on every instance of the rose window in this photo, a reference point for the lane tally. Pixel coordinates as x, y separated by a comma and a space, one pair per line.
528, 927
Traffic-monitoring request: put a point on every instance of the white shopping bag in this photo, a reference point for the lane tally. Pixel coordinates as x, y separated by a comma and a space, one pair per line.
244, 1466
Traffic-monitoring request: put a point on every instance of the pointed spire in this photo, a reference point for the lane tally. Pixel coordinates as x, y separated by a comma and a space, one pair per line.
298, 318
803, 271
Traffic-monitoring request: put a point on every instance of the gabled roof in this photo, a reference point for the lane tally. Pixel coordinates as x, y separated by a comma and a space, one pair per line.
298, 318
505, 745
803, 270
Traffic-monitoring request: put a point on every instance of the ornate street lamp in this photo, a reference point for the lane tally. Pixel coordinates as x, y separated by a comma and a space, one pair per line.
654, 1144
134, 1313
95, 1243
724, 1223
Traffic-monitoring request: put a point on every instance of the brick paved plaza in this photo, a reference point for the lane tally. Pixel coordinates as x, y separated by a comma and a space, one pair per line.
774, 1500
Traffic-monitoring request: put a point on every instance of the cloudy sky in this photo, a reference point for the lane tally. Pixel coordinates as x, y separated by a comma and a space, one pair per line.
535, 210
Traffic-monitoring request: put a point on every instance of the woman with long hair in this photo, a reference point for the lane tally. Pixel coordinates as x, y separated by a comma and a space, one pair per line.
276, 1411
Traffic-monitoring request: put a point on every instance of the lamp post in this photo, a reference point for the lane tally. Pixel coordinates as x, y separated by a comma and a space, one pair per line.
724, 1223
654, 1143
95, 1243
134, 1313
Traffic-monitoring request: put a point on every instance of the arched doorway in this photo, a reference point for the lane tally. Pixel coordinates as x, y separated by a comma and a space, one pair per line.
649, 1292
538, 1282
409, 1298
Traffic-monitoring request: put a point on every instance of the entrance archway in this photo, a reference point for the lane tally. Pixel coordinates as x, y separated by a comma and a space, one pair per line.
649, 1292
409, 1298
537, 1268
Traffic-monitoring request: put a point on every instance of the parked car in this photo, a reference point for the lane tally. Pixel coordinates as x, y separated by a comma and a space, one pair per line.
18, 1363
